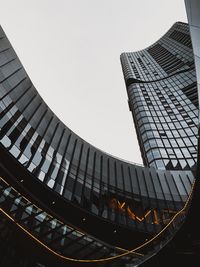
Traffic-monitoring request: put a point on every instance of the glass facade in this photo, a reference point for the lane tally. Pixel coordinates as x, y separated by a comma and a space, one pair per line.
73, 204
162, 91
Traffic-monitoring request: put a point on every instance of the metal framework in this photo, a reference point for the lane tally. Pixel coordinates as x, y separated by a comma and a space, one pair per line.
63, 202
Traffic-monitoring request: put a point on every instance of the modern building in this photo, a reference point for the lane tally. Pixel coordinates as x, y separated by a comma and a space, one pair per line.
162, 91
64, 202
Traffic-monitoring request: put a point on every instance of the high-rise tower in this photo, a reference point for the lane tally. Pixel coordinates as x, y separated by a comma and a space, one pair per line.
162, 91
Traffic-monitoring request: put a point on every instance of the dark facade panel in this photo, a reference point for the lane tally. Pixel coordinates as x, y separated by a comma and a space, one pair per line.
165, 110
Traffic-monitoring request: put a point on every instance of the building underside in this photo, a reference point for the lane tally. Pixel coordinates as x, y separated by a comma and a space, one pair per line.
64, 202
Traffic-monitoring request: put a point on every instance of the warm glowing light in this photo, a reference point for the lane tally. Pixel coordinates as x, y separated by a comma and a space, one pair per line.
126, 252
121, 205
156, 217
152, 215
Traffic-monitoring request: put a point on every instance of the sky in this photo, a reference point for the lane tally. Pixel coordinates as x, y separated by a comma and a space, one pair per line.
71, 49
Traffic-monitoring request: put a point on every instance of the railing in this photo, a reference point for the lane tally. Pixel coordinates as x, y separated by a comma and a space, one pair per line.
56, 237
52, 234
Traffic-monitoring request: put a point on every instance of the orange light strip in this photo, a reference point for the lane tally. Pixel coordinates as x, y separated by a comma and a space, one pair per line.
121, 207
49, 249
128, 252
156, 216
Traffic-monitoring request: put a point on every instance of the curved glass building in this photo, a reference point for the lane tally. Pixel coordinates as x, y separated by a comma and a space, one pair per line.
63, 202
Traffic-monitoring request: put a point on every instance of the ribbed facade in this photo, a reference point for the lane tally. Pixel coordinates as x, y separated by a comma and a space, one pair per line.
64, 202
162, 91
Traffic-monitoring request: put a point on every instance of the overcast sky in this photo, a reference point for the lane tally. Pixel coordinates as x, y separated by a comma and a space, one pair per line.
71, 50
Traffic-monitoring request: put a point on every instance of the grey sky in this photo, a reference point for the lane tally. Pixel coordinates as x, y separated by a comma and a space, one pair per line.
71, 49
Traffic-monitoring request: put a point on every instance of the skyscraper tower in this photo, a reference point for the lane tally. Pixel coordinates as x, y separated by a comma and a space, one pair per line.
162, 91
